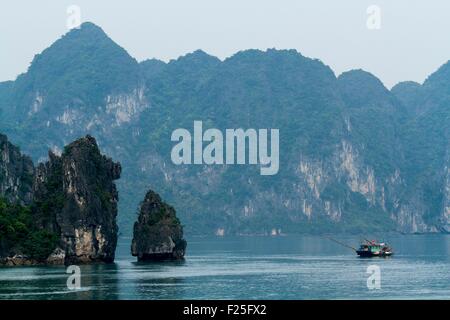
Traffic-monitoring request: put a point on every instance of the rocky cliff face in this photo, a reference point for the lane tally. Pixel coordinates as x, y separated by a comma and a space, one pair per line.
158, 234
446, 204
75, 199
84, 210
16, 173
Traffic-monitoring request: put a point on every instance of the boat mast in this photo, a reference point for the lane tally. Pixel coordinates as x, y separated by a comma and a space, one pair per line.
341, 243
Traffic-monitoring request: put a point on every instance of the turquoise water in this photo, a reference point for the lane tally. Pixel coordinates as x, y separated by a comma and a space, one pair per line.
287, 267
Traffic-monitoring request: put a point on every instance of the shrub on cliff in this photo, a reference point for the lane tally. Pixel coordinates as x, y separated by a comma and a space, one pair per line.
17, 233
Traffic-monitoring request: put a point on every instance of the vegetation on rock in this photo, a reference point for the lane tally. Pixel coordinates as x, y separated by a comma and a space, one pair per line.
18, 233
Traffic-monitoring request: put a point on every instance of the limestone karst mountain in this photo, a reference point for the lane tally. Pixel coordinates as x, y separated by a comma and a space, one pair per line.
70, 208
157, 233
354, 156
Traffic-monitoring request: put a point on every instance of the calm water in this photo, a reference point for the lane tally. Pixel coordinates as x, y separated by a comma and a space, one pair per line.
291, 267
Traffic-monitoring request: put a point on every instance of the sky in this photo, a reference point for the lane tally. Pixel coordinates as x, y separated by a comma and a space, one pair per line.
396, 40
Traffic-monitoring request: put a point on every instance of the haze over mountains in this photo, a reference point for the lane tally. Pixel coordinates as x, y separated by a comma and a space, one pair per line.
354, 156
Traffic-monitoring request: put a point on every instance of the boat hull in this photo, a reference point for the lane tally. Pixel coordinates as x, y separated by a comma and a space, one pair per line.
370, 254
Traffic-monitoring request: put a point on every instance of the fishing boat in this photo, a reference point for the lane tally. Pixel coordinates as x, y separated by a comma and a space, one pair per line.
369, 248
372, 248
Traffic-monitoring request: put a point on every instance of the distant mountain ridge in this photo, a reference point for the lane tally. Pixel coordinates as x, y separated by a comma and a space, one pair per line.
354, 156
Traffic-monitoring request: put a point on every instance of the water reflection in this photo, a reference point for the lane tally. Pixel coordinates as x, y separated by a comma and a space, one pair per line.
151, 280
98, 282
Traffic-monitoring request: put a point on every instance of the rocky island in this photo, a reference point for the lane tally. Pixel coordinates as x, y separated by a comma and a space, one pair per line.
62, 212
158, 234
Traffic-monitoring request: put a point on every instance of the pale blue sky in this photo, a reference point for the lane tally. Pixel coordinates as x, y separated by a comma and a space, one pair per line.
412, 42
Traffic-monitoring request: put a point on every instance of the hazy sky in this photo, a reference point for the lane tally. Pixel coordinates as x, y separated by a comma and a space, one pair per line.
413, 40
